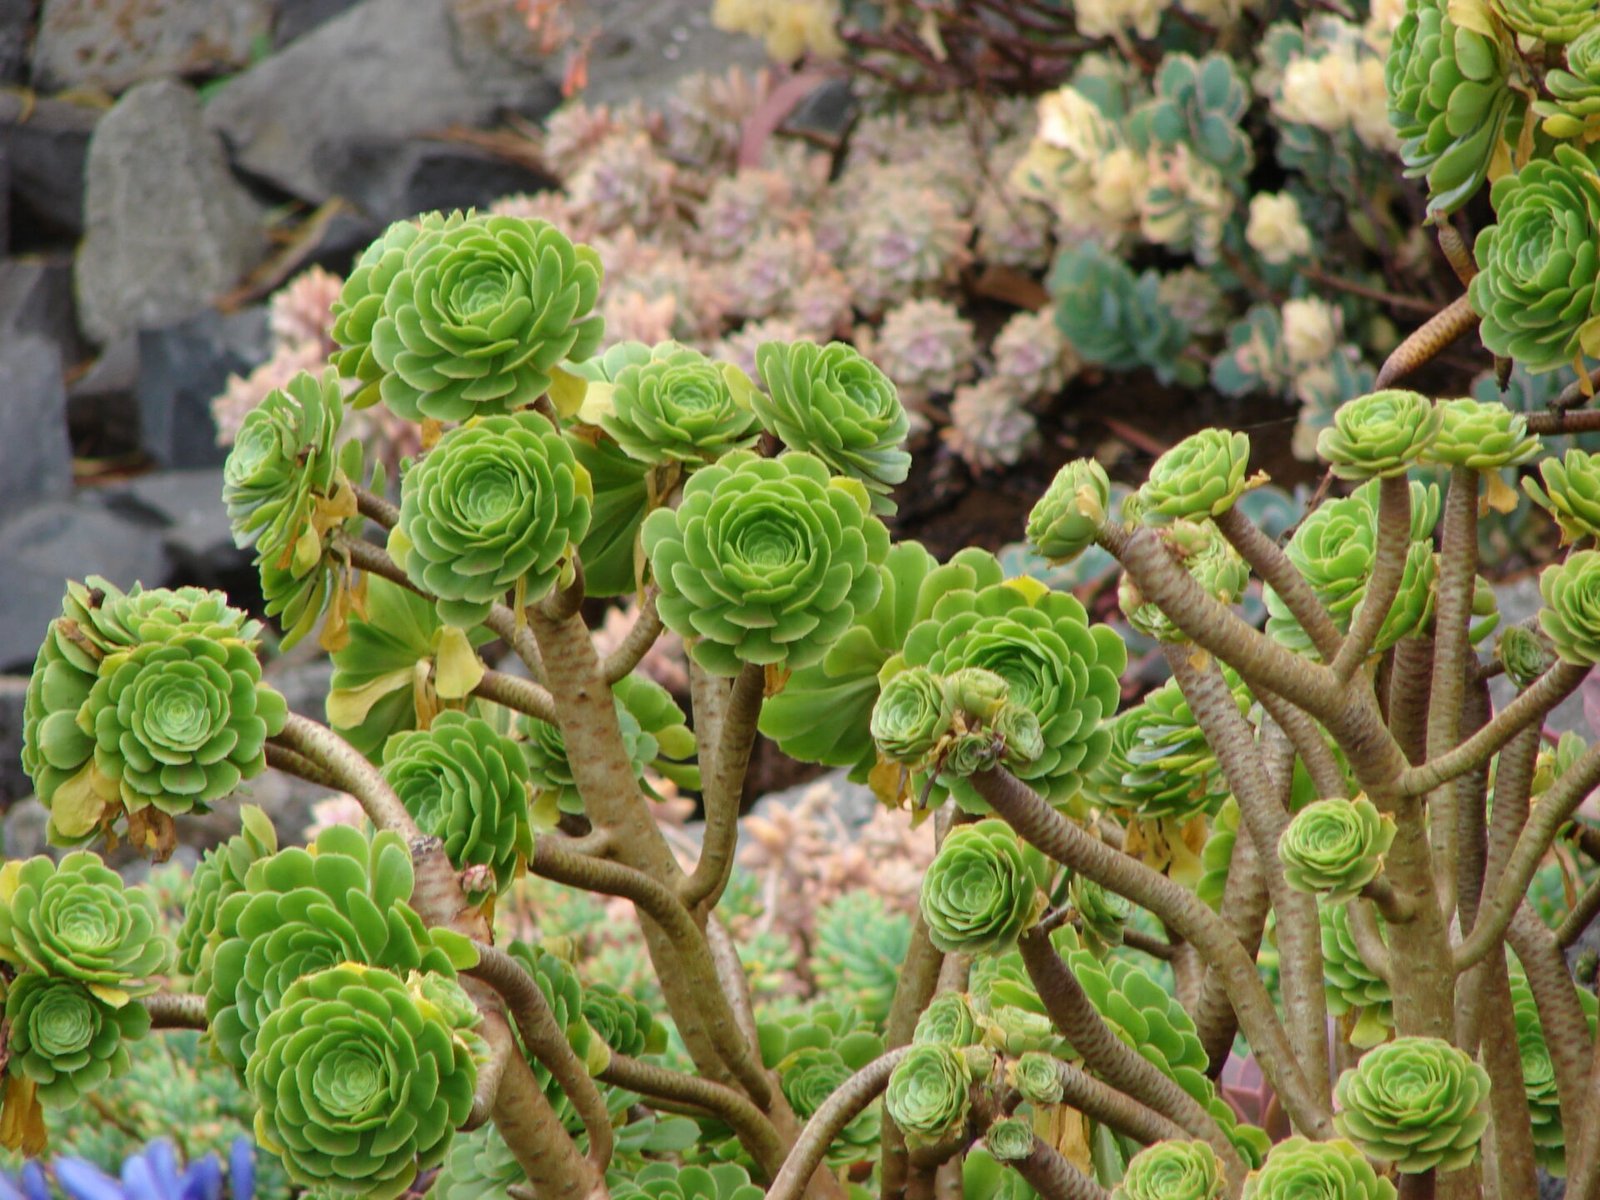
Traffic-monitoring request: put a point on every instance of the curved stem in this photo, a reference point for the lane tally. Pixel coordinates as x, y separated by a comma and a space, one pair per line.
919, 977
1270, 563
1110, 1107
543, 1038
1104, 1053
1578, 919
1388, 570
175, 1010
1407, 698
1566, 1030
487, 1092
376, 508
636, 643
654, 1082
1195, 923
330, 753
828, 1122
1374, 951
514, 692
724, 789
1245, 905
1326, 774
290, 762
1053, 1177
1428, 342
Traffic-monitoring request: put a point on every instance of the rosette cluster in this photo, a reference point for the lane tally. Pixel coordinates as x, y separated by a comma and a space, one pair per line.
671, 403
1335, 847
982, 890
1300, 1169
1200, 477
766, 561
1482, 435
1173, 1171
141, 703
928, 1093
1571, 616
221, 873
1416, 1102
1379, 434
1072, 511
1571, 493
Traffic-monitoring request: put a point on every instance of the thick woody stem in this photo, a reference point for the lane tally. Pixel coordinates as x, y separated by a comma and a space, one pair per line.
636, 643
828, 1122
1515, 1170
281, 758
1578, 919
724, 789
1299, 931
543, 1038
1408, 696
1245, 905
1566, 1029
516, 693
1110, 1107
1179, 909
1470, 800
1274, 568
1109, 1057
376, 509
1326, 774
708, 695
174, 1010
1427, 343
660, 1083
341, 762
1388, 570
1374, 951
487, 1092
1053, 1177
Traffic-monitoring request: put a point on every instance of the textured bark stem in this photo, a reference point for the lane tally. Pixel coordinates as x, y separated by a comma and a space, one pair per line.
1578, 919
1244, 909
1408, 696
1469, 800
1515, 1169
516, 693
1053, 1177
708, 695
1299, 931
350, 770
1374, 951
376, 508
1108, 1056
1429, 341
724, 789
837, 1111
1388, 570
1270, 563
175, 1010
1110, 1107
732, 1107
1566, 1030
544, 1039
290, 762
487, 1092
636, 643
1195, 923
1326, 774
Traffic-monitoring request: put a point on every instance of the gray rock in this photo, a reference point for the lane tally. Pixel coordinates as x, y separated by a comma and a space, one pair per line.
14, 783
46, 142
390, 180
114, 44
195, 531
385, 71
5, 195
303, 684
181, 368
35, 454
44, 546
100, 401
1520, 600
296, 18
853, 803
36, 298
15, 18
825, 112
167, 227
24, 830
645, 46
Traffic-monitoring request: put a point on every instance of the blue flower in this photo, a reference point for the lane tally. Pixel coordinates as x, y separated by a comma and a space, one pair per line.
152, 1174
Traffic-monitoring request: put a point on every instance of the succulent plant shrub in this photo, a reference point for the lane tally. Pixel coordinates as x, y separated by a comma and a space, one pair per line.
1080, 890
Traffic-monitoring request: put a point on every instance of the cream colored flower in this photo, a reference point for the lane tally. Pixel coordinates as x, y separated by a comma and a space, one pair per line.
1120, 178
1116, 18
1275, 230
1369, 109
1310, 331
1070, 121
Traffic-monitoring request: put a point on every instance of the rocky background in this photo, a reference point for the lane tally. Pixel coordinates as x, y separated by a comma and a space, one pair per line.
164, 165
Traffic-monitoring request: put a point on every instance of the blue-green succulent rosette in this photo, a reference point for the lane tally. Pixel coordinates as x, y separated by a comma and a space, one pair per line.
1055, 663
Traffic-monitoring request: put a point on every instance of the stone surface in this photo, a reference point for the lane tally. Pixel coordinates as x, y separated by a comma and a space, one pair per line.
167, 226
296, 18
181, 368
385, 71
646, 46
389, 181
36, 298
853, 803
187, 505
15, 18
14, 783
35, 455
44, 546
114, 44
46, 142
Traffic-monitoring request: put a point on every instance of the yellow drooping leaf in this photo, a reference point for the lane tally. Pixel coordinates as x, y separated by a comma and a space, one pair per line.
10, 877
1498, 495
1473, 15
1200, 658
599, 401
890, 783
152, 832
335, 633
776, 679
545, 811
348, 707
115, 997
399, 547
80, 804
1032, 589
567, 392
307, 552
458, 667
22, 1118
1072, 1139
424, 696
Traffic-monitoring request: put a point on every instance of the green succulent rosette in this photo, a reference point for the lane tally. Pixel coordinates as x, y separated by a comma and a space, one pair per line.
1379, 435
1037, 1078
1069, 516
496, 506
1160, 766
1335, 847
360, 302
466, 783
1571, 493
1525, 653
1010, 1139
912, 716
99, 621
1538, 264
66, 1040
1571, 616
814, 1051
480, 314
1415, 1102
928, 1093
858, 947
284, 491
361, 1080
1538, 1070
625, 1024
668, 1181
77, 920
678, 406
832, 402
1352, 988
478, 1166
1483, 435
1102, 914
1173, 1171
1555, 21
1300, 1169
221, 873
400, 668
1211, 561
178, 724
1574, 109
1334, 550
766, 561
1200, 477
345, 900
653, 732
947, 1021
982, 890
1450, 100
1055, 664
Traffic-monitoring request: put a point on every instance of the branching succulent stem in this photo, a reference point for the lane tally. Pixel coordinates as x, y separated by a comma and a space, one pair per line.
1388, 571
837, 1111
661, 1083
1273, 566
175, 1010
1425, 344
636, 643
1053, 1177
516, 693
724, 789
487, 1090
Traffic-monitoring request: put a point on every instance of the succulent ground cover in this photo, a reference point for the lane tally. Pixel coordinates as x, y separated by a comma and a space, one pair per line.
1315, 848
